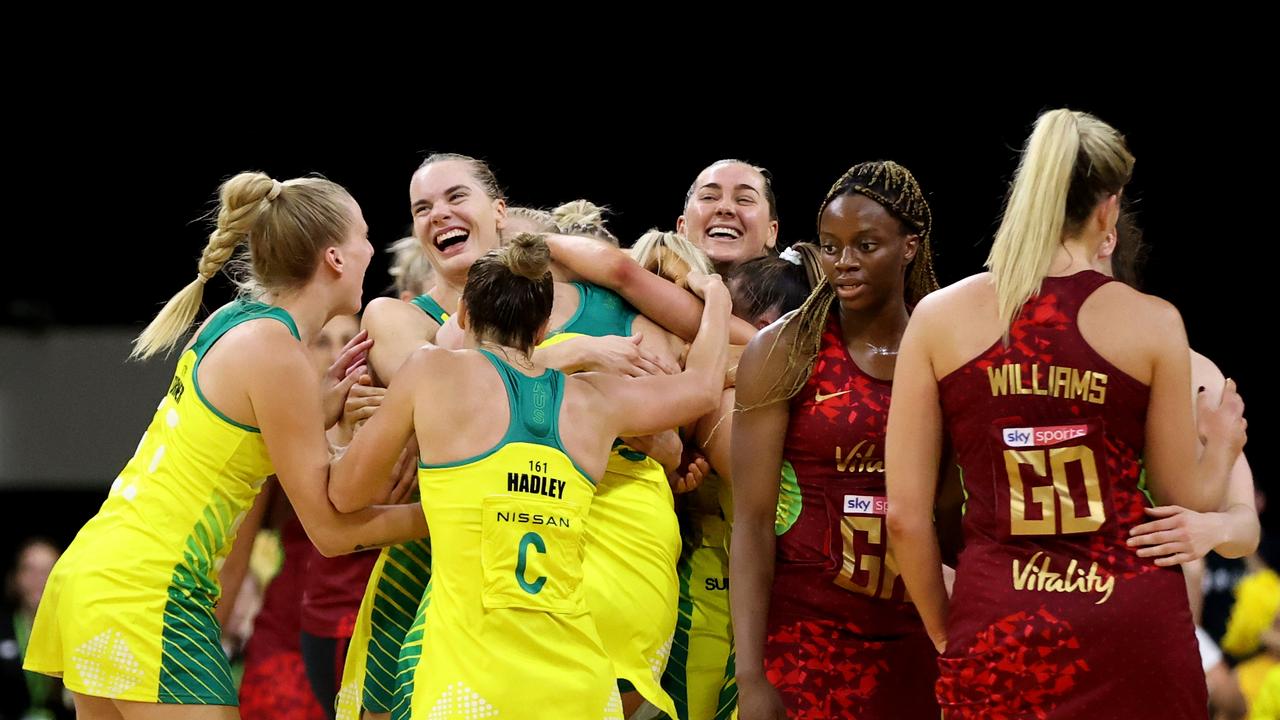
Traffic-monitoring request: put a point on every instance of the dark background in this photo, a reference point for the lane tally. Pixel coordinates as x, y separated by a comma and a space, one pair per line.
122, 175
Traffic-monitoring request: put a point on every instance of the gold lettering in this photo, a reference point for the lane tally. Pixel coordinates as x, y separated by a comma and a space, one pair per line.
859, 459
842, 464
1017, 381
1036, 576
856, 566
1020, 576
1103, 586
999, 379
1079, 384
1042, 495
1098, 388
1058, 459
1053, 499
1061, 381
1035, 381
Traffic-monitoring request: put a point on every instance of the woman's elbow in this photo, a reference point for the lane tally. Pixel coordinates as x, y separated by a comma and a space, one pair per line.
1248, 532
345, 501
331, 550
326, 538
906, 521
621, 271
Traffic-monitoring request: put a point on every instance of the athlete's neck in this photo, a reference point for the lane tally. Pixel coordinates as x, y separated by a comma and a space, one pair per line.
1075, 255
309, 310
522, 360
877, 328
448, 292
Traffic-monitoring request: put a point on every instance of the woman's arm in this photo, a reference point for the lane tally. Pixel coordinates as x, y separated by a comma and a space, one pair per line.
286, 399
913, 450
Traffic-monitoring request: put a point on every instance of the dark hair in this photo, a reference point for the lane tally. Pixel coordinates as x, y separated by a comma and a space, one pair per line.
509, 292
479, 168
766, 283
764, 173
1130, 256
896, 190
11, 584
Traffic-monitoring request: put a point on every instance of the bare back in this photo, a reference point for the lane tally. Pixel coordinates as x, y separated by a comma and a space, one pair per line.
1138, 334
461, 409
1120, 323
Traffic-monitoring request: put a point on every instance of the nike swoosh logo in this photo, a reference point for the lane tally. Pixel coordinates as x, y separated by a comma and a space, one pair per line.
819, 397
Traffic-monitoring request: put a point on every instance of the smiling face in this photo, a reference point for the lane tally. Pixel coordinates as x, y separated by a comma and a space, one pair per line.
728, 214
453, 217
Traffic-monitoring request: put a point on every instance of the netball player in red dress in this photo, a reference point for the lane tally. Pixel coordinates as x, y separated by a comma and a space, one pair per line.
1064, 395
822, 627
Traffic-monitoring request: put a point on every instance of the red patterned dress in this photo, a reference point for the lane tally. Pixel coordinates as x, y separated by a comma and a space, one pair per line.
1052, 615
843, 641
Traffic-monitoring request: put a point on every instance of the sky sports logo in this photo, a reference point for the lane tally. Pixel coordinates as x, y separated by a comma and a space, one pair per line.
1040, 436
865, 505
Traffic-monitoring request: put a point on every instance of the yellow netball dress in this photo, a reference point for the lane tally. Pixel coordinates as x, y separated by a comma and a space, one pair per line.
700, 652
128, 610
506, 631
631, 582
395, 589
633, 545
633, 539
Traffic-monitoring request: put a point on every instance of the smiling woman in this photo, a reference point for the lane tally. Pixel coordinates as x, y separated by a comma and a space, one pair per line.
730, 213
459, 212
